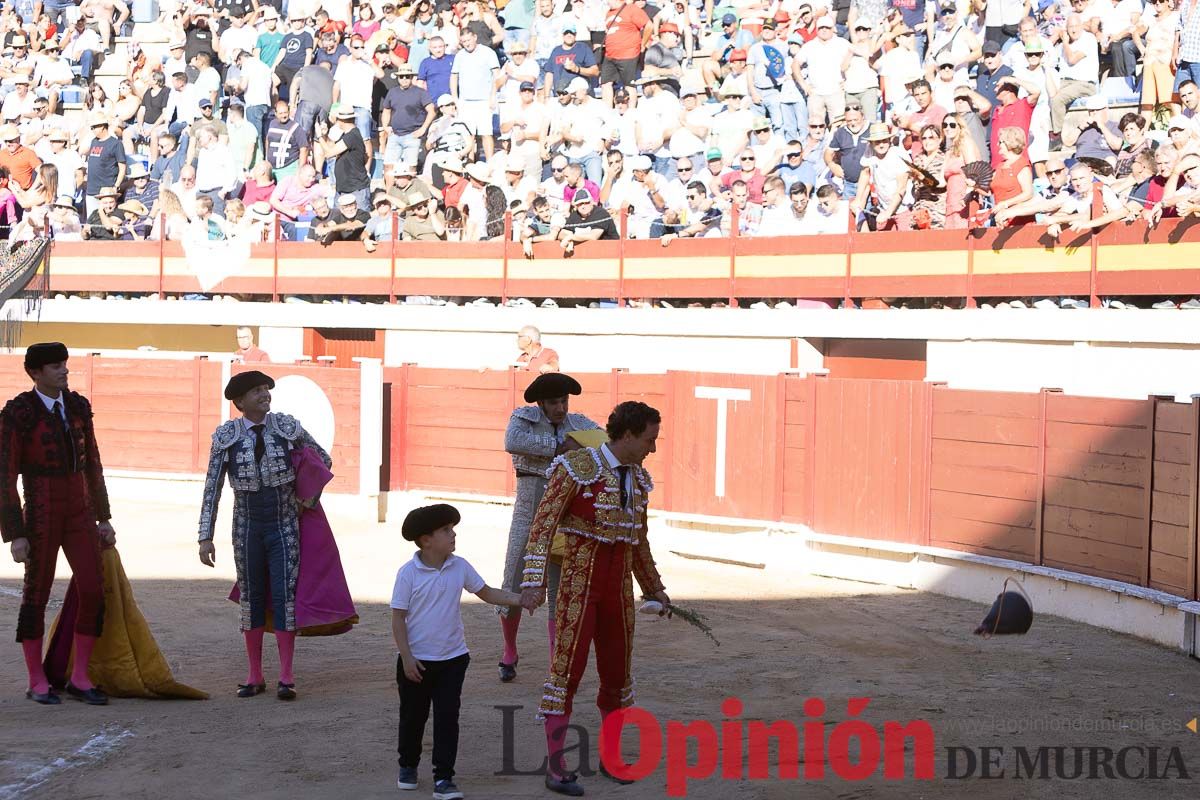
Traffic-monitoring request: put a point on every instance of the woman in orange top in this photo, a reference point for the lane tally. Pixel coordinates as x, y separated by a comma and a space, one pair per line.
1013, 182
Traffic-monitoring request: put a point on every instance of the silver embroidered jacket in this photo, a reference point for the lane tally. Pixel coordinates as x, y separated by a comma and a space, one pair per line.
232, 455
531, 441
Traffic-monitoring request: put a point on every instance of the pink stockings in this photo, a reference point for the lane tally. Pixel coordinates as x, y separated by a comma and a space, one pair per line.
509, 623
32, 650
286, 641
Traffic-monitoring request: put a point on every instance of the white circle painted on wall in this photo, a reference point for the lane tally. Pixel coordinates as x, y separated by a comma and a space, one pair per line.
305, 400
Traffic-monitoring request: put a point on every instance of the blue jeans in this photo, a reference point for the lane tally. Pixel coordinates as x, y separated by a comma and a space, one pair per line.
256, 116
771, 107
795, 120
401, 148
87, 65
592, 166
364, 123
665, 166
1188, 70
56, 10
306, 116
849, 190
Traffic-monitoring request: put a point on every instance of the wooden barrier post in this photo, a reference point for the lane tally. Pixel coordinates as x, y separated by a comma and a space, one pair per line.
1039, 511
1193, 497
1148, 481
197, 391
734, 223
850, 234
1094, 243
504, 259
780, 442
971, 209
405, 377
668, 413
392, 272
275, 261
810, 467
624, 219
162, 243
927, 463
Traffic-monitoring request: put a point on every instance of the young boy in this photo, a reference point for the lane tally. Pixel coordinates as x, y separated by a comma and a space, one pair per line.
428, 629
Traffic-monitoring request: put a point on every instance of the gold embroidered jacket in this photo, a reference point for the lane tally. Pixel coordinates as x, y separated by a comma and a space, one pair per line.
583, 499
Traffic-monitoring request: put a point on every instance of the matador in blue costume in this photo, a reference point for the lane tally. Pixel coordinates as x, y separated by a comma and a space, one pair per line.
254, 452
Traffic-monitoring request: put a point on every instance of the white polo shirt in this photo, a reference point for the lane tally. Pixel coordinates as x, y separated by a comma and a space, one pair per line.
431, 597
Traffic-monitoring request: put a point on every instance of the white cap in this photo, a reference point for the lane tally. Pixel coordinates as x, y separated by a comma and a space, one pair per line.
346, 199
825, 22
577, 84
446, 100
639, 162
1095, 103
1179, 121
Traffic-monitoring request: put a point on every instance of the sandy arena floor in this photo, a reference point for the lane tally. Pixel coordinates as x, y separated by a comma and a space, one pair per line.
785, 637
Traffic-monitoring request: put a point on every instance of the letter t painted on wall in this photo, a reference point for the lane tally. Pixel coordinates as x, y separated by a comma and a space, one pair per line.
722, 395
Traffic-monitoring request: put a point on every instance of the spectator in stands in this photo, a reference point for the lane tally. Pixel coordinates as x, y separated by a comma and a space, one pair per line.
433, 73
350, 175
20, 161
216, 173
747, 170
1096, 137
569, 60
830, 216
1182, 191
588, 222
168, 163
352, 87
1012, 183
927, 113
1079, 75
1151, 193
960, 150
542, 224
990, 73
953, 48
406, 115
1076, 213
104, 222
347, 223
142, 189
883, 185
534, 356
826, 57
379, 226
311, 96
448, 138
1120, 20
255, 83
65, 225
69, 163
1189, 99
473, 84
1048, 199
423, 222
295, 51
629, 32
404, 182
105, 162
83, 48
1011, 111
846, 150
1133, 129
784, 209
862, 81
1183, 134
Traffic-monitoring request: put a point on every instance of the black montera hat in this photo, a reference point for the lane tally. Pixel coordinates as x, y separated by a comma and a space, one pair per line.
549, 385
43, 353
1011, 613
427, 519
245, 381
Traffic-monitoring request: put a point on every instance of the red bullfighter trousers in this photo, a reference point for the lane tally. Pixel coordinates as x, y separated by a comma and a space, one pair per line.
58, 514
595, 603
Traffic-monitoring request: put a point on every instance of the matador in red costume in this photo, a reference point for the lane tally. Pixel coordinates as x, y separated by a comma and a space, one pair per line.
47, 438
596, 502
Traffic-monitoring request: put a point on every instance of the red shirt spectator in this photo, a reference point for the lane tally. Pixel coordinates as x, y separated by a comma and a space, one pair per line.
624, 26
750, 173
1013, 112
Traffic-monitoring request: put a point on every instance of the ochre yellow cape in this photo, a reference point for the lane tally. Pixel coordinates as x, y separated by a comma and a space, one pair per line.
126, 661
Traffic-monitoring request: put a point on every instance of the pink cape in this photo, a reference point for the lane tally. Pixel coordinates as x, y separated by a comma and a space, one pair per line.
323, 603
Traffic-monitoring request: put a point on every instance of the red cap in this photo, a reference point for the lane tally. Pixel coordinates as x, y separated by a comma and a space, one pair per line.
782, 16
668, 27
737, 55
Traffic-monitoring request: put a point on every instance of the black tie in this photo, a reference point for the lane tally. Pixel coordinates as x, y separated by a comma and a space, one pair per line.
622, 472
260, 447
66, 427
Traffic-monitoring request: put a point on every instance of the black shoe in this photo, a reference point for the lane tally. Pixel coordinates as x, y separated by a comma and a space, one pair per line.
93, 696
567, 785
286, 691
250, 689
622, 781
48, 698
508, 672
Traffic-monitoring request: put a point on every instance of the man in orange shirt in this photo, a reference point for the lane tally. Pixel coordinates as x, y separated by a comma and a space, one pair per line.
534, 357
247, 352
21, 161
627, 33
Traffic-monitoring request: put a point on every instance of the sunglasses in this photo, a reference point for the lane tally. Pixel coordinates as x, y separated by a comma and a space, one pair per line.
683, 169
558, 169
854, 108
747, 158
795, 155
1058, 171
945, 66
818, 126
949, 124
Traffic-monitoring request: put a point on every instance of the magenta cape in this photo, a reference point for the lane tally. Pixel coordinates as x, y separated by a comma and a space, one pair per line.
323, 603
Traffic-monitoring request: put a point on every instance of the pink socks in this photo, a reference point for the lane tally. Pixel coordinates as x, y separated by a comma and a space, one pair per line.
254, 644
83, 656
287, 648
32, 648
556, 731
509, 623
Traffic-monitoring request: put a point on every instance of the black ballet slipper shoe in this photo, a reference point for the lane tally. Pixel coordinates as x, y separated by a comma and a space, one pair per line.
621, 781
568, 785
48, 698
286, 691
250, 689
508, 672
93, 696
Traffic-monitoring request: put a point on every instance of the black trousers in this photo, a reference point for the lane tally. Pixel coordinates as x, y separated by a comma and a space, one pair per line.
441, 684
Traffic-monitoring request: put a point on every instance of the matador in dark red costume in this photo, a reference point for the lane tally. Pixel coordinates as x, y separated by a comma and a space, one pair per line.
596, 501
47, 438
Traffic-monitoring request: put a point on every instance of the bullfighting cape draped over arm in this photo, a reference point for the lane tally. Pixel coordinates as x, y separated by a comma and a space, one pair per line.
582, 499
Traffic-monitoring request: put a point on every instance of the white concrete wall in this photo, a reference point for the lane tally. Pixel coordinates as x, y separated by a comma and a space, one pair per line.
284, 345
1081, 368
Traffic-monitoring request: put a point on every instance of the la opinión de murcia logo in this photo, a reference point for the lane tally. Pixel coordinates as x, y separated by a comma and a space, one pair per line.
851, 750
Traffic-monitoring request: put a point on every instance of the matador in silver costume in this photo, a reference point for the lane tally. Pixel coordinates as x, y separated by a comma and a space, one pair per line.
536, 434
254, 451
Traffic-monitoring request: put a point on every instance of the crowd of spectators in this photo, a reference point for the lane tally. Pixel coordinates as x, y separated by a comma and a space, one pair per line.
436, 119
